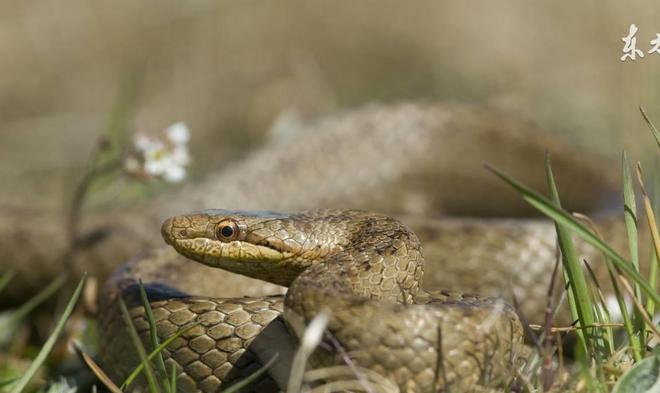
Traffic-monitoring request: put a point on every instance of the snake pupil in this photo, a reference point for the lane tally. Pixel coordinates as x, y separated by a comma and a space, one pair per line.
227, 231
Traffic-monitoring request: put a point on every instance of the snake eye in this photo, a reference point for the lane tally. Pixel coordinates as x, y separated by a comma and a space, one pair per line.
226, 230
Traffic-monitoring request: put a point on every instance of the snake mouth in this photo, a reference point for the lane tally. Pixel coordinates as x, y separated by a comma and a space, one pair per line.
240, 257
218, 253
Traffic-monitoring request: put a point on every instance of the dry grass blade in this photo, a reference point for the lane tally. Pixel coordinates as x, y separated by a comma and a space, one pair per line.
566, 329
310, 340
357, 373
640, 307
97, 370
655, 132
440, 371
350, 385
332, 376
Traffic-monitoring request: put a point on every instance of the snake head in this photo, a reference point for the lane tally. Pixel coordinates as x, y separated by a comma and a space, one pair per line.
269, 246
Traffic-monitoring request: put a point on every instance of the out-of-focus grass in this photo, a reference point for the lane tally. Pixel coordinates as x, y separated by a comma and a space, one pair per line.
19, 384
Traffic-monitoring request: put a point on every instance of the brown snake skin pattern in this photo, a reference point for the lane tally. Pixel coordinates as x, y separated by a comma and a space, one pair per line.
365, 269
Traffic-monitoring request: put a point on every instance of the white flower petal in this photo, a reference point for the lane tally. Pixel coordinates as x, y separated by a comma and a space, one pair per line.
178, 133
174, 174
155, 167
145, 143
180, 156
141, 141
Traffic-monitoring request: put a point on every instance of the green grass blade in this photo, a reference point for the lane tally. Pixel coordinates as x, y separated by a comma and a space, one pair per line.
578, 292
50, 343
630, 219
8, 382
173, 378
31, 304
630, 215
633, 337
6, 278
587, 337
252, 378
153, 336
601, 312
155, 352
137, 343
563, 217
577, 281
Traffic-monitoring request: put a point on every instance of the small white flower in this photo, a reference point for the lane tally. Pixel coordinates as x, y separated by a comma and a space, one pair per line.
146, 143
155, 163
178, 134
180, 155
174, 173
157, 158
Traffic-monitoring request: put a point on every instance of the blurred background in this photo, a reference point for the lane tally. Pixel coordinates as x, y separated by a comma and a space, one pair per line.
234, 70
230, 69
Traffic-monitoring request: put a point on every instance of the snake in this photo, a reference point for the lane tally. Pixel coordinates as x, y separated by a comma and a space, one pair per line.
364, 269
416, 161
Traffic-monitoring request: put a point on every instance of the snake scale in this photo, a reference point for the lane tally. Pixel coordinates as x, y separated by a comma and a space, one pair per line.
408, 159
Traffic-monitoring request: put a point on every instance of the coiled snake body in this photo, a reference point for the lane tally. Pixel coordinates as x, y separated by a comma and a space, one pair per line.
364, 269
